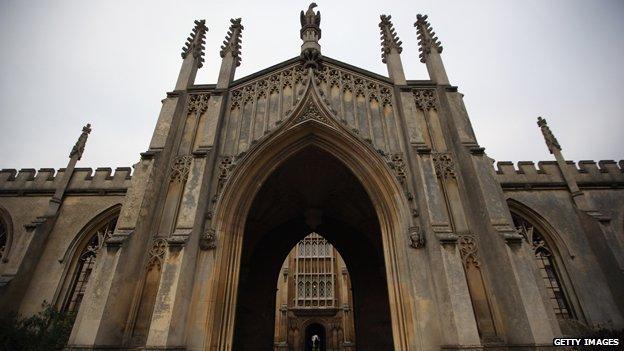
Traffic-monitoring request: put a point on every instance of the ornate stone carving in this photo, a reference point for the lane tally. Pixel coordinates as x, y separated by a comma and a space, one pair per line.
417, 237
208, 239
195, 43
443, 165
198, 103
157, 252
425, 99
469, 251
427, 41
78, 148
389, 38
310, 111
397, 164
232, 42
225, 166
310, 33
180, 168
549, 137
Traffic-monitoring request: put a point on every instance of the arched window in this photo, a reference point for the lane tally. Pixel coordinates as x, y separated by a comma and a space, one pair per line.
86, 263
547, 265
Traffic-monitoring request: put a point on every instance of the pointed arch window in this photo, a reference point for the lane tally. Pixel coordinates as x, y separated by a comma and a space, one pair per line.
547, 265
86, 263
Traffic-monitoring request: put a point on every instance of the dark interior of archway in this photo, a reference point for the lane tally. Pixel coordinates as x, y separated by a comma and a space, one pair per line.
312, 181
319, 331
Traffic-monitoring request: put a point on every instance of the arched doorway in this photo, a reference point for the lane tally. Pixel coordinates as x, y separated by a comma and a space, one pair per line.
315, 337
312, 190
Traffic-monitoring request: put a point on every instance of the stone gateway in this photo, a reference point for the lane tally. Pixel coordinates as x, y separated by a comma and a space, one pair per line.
315, 205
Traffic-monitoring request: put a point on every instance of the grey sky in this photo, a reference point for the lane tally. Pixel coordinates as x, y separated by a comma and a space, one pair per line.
66, 63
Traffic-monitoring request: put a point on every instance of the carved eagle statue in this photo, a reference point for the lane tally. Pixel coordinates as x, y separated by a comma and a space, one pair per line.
309, 18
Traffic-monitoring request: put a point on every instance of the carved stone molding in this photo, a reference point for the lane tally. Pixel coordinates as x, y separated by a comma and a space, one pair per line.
469, 251
180, 168
444, 165
417, 237
208, 239
198, 103
157, 252
425, 99
310, 111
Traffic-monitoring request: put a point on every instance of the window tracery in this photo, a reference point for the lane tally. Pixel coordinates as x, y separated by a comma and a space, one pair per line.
314, 262
547, 265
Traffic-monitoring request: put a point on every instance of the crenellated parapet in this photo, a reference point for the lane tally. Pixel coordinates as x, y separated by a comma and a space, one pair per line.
546, 174
29, 181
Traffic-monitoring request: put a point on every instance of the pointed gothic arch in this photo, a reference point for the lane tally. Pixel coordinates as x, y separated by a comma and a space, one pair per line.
310, 124
551, 254
6, 234
80, 258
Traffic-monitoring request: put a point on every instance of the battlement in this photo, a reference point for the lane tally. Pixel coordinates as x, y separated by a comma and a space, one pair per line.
606, 173
84, 180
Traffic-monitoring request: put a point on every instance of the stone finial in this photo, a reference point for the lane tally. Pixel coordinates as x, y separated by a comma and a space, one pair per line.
426, 38
78, 148
232, 42
310, 34
310, 20
389, 38
549, 137
195, 42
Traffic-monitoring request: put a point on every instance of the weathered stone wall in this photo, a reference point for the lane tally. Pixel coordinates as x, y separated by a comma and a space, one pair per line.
541, 191
25, 195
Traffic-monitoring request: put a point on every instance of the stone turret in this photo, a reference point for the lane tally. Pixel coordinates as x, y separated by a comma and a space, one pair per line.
310, 34
193, 55
430, 50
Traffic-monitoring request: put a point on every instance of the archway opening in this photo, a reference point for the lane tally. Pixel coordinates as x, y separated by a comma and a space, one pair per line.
315, 337
312, 191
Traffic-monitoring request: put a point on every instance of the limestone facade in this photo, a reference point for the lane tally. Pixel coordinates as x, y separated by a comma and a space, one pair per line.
443, 250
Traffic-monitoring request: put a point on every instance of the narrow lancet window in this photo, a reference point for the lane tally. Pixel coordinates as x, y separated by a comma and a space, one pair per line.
547, 265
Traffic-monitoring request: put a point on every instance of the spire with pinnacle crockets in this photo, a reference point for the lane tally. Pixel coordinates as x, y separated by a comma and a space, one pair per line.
430, 50
427, 41
195, 42
310, 34
78, 148
389, 38
232, 42
549, 137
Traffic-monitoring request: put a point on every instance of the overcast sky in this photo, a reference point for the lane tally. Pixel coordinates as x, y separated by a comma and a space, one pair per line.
66, 63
